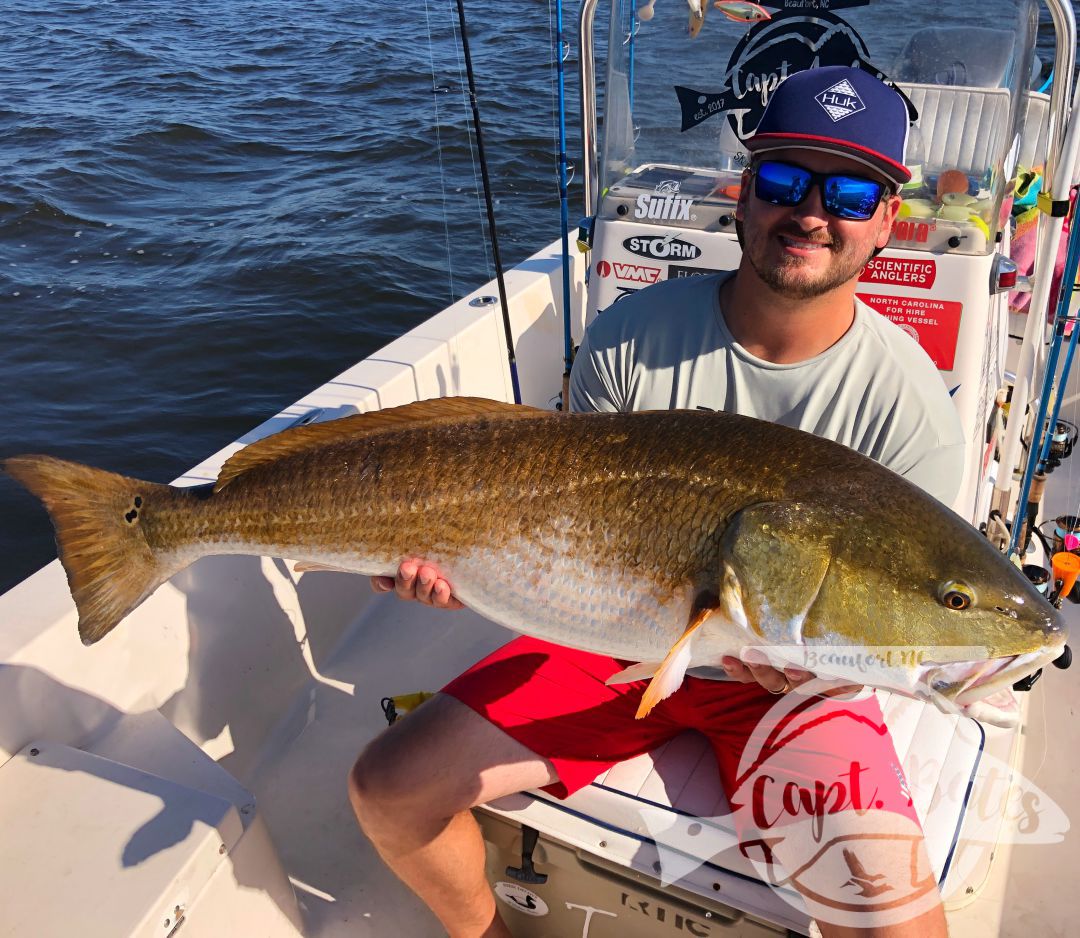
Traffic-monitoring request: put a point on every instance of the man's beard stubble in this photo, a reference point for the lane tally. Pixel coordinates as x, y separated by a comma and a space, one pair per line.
779, 277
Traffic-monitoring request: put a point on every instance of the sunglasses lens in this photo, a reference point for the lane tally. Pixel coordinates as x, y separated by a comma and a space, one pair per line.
781, 183
852, 196
849, 197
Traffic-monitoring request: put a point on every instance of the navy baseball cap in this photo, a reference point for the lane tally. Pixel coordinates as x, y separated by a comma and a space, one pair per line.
842, 110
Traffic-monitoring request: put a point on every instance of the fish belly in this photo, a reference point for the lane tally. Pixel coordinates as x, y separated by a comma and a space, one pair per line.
561, 598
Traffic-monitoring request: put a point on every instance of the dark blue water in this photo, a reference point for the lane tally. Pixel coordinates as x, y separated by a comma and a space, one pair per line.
208, 209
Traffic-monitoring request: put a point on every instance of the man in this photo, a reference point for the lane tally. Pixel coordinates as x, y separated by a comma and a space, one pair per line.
783, 339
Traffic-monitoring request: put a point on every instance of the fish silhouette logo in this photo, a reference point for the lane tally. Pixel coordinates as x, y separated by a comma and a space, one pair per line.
840, 100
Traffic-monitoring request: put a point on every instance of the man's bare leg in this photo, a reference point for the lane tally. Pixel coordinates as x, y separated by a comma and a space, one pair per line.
892, 865
412, 788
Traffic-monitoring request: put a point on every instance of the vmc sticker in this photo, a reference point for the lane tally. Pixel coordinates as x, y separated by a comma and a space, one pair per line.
903, 272
935, 324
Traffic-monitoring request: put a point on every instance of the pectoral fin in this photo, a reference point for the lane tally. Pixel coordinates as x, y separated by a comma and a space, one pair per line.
311, 566
669, 676
636, 672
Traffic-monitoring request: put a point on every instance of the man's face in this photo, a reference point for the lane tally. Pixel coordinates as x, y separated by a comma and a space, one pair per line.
802, 251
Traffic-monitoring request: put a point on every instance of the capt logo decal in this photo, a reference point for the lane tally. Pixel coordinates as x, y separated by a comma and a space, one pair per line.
522, 899
771, 50
840, 100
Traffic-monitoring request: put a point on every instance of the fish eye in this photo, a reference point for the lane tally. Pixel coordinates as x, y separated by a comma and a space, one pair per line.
956, 595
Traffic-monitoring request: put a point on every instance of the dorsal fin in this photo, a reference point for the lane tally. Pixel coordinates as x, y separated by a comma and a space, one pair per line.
297, 439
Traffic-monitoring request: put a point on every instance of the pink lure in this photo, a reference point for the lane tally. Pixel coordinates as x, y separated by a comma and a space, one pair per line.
742, 11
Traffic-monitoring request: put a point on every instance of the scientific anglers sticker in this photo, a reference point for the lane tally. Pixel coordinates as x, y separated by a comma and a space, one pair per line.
935, 324
771, 50
522, 899
906, 273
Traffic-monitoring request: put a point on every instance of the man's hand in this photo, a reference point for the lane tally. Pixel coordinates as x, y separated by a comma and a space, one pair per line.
772, 679
420, 581
776, 681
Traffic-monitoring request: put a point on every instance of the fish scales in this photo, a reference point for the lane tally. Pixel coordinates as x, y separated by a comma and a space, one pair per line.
614, 533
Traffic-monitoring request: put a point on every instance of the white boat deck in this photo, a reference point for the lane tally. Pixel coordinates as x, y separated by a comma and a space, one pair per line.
342, 886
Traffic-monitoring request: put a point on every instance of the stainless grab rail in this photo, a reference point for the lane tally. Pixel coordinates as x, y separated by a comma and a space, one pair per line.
1061, 13
587, 75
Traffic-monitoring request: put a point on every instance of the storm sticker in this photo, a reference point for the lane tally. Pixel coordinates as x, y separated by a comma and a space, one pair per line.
662, 247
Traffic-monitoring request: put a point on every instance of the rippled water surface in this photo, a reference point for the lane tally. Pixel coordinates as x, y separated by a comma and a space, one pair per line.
207, 209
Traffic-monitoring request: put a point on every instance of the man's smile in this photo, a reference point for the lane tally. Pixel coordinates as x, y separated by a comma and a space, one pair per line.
801, 245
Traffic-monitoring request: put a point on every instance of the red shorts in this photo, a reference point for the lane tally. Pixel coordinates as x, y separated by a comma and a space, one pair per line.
553, 700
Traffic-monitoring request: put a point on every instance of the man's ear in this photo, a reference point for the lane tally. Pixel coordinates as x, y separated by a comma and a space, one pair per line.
890, 209
744, 194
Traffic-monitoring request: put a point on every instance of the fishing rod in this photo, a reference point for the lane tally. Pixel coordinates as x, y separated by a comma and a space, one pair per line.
1040, 443
489, 202
564, 207
1066, 369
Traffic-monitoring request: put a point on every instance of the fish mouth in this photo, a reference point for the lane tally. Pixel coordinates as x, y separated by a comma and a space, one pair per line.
983, 689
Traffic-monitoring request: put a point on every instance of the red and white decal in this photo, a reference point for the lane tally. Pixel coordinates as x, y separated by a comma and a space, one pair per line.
909, 229
907, 273
634, 273
935, 323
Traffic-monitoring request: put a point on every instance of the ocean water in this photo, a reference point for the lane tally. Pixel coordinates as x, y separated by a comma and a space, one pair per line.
208, 209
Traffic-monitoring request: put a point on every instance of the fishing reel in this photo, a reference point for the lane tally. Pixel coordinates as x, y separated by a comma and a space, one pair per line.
1063, 439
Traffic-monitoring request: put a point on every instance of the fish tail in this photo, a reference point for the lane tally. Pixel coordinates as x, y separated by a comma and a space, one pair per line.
98, 520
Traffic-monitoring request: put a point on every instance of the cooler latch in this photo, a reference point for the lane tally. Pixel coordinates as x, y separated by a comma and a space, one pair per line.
526, 873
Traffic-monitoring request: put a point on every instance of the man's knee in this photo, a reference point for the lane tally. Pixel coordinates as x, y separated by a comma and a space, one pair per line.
383, 780
414, 769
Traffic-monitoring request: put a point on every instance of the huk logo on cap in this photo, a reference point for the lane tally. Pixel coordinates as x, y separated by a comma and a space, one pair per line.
841, 100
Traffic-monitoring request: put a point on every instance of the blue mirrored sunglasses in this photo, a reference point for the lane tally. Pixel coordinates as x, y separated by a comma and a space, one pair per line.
854, 198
